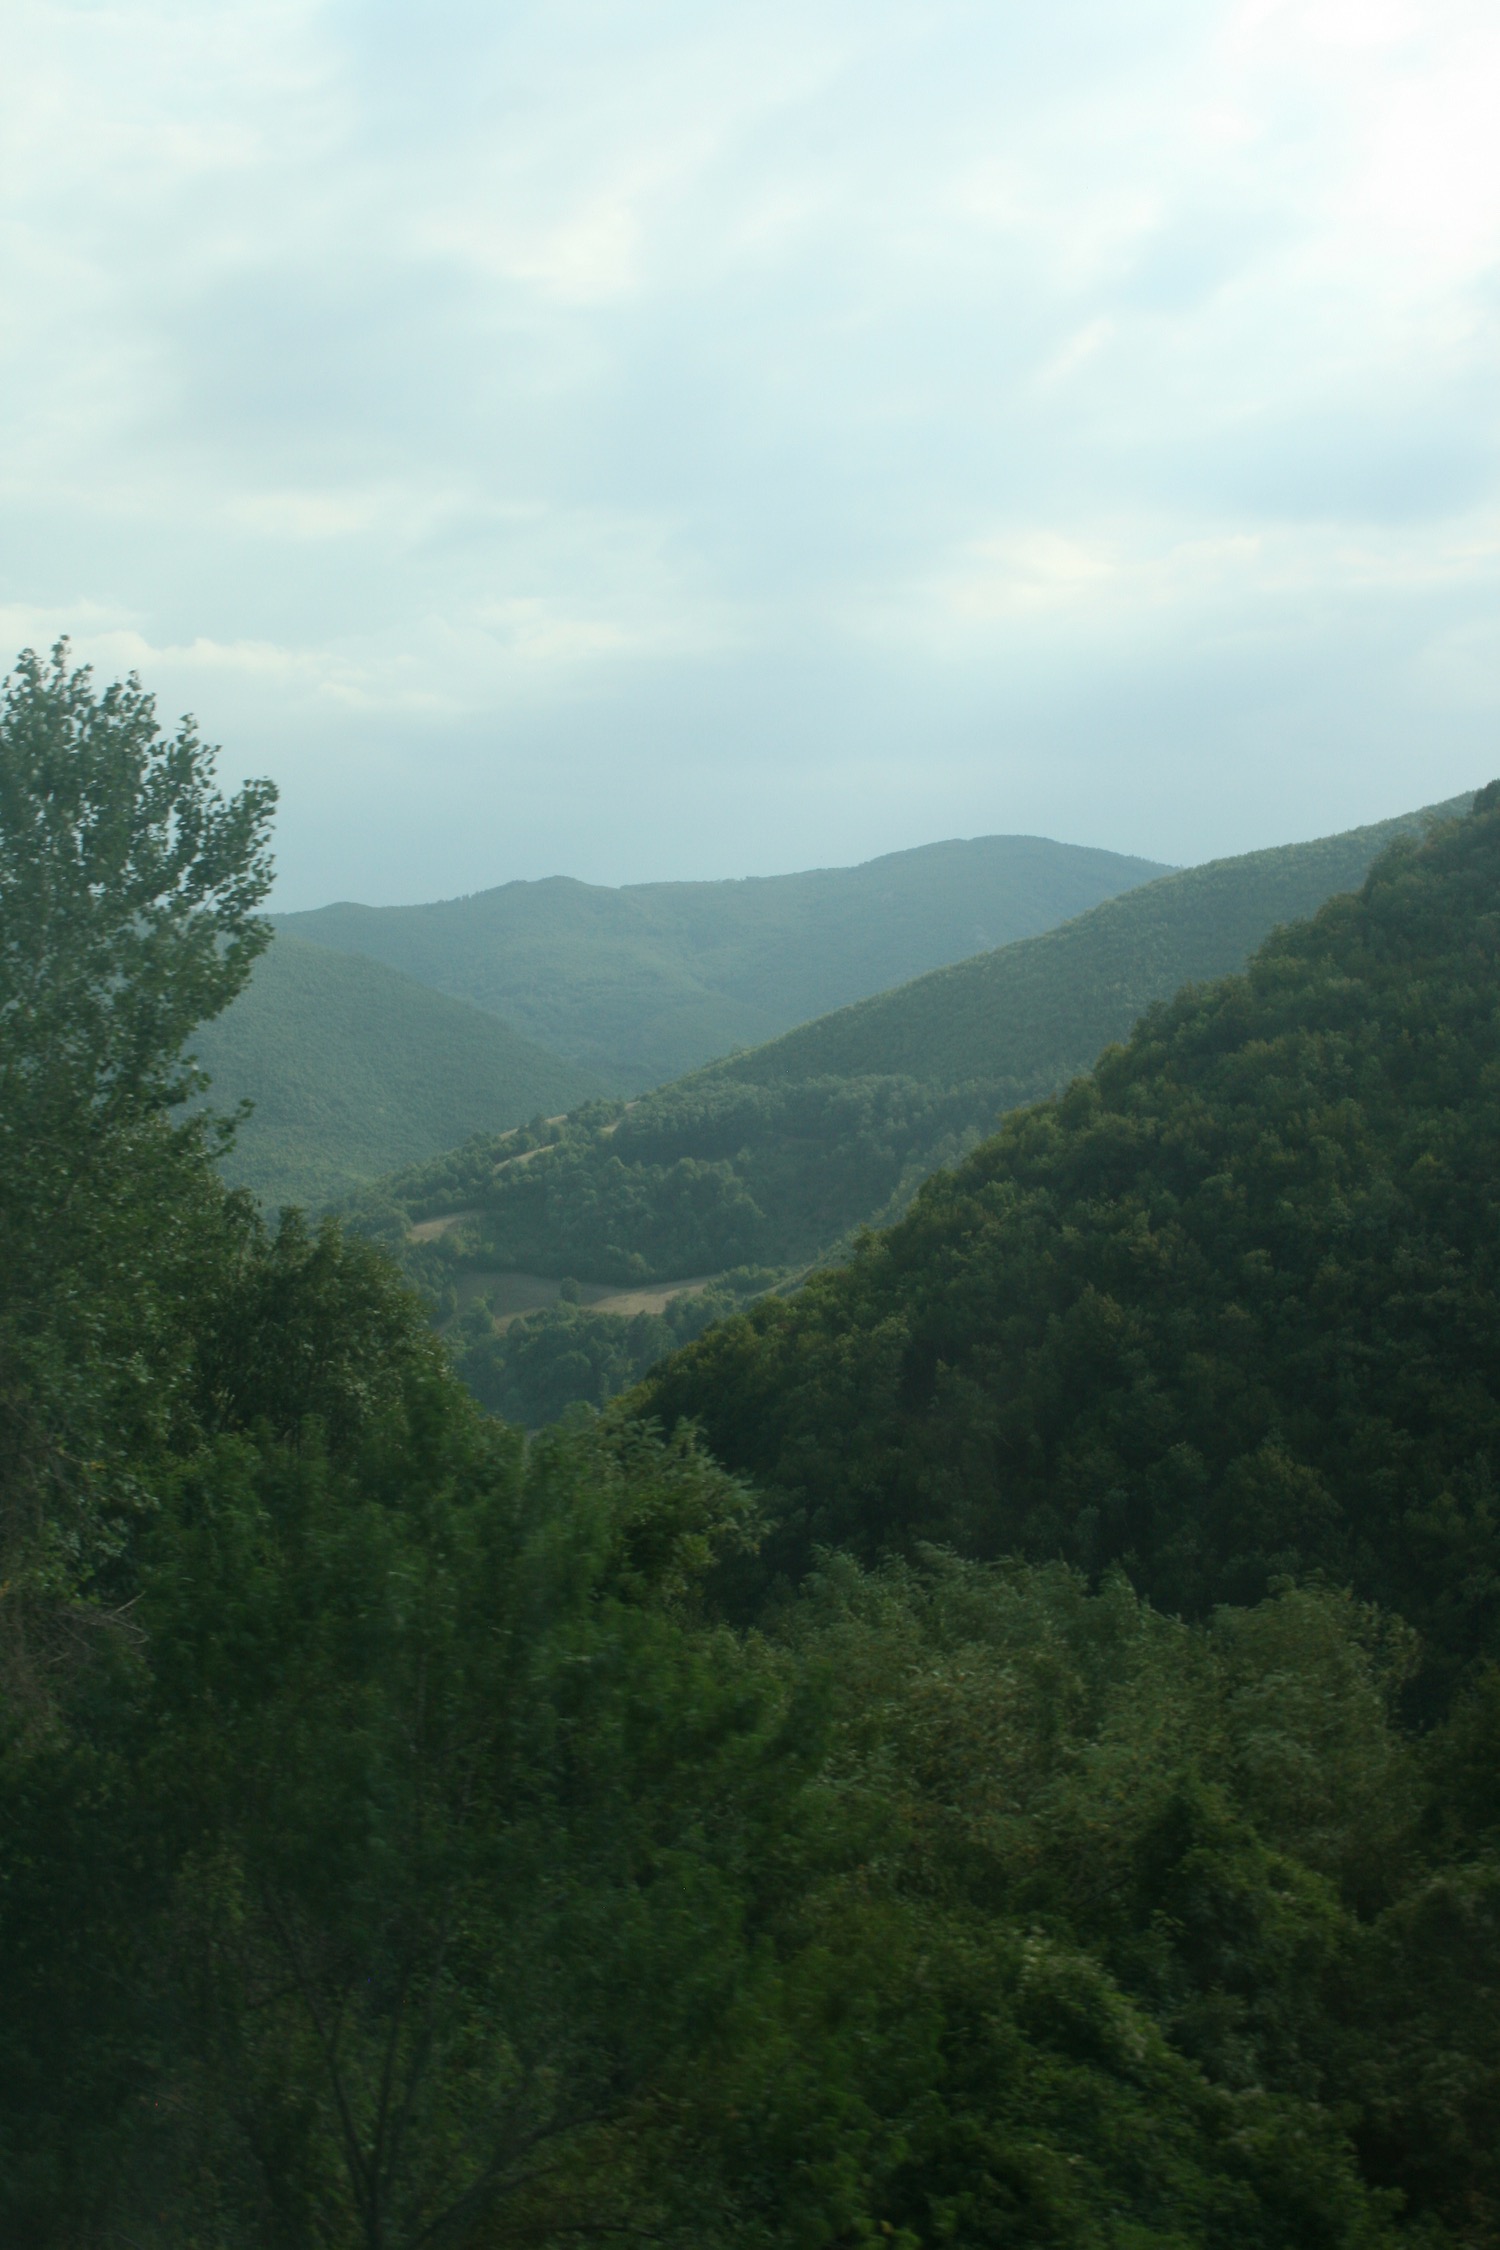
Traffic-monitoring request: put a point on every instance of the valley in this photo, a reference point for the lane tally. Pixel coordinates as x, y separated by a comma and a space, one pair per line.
768, 1163
750, 1126
768, 1729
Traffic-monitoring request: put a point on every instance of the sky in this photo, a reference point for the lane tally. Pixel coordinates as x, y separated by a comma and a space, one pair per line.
631, 439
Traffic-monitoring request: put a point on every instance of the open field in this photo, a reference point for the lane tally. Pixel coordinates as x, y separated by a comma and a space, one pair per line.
510, 1295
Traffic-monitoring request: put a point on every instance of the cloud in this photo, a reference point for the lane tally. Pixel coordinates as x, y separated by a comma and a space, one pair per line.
601, 430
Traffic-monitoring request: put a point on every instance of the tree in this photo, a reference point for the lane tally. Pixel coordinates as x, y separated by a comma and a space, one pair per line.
128, 889
411, 1857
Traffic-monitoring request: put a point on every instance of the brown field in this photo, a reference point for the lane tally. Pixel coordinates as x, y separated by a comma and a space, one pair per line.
428, 1230
511, 1294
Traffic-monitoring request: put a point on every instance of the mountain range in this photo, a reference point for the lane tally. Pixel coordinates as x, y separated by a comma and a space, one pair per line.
763, 1163
638, 985
370, 1038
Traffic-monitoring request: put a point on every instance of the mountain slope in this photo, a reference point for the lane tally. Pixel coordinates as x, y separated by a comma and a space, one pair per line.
643, 983
768, 1158
1049, 1004
355, 1069
1227, 1311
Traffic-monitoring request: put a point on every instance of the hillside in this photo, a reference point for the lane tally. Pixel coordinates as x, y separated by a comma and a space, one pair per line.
411, 1835
1039, 1011
1226, 1312
355, 1069
771, 1159
640, 984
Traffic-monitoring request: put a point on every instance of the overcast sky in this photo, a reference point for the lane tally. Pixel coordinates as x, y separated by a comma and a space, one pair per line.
629, 438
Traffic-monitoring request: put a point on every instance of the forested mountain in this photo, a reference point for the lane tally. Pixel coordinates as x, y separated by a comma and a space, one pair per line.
355, 1069
1226, 1312
640, 984
1039, 1011
770, 1159
412, 1835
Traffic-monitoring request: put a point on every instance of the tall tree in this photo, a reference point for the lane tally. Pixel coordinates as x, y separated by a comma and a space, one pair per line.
128, 895
128, 889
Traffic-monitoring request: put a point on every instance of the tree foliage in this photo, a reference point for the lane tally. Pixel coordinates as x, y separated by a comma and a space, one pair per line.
534, 1369
128, 889
440, 1870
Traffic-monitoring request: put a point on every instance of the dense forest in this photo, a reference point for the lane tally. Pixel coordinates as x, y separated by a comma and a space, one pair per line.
416, 1834
1226, 1310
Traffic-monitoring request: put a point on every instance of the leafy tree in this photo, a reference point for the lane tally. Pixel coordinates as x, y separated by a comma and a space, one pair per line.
1132, 1941
310, 1324
127, 896
128, 889
463, 1818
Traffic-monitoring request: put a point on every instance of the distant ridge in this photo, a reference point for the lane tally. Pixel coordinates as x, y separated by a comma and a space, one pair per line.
1040, 1011
640, 984
769, 1161
355, 1069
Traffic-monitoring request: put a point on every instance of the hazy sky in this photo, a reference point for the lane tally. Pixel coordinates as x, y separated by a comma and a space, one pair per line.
628, 438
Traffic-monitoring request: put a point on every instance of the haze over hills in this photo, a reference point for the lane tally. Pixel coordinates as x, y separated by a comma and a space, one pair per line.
769, 1160
354, 1069
640, 984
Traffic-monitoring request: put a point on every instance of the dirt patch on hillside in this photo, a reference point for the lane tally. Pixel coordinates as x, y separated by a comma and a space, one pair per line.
654, 1298
428, 1230
509, 1295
